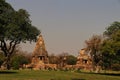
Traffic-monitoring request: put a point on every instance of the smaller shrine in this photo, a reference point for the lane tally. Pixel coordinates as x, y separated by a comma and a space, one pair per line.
84, 60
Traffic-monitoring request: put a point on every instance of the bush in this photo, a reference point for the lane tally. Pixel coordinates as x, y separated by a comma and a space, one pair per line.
116, 67
71, 60
18, 61
1, 59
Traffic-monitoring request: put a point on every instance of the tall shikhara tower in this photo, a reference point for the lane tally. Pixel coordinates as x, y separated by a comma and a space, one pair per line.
40, 54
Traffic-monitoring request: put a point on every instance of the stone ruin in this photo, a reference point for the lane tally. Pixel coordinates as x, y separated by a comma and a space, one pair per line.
40, 59
84, 60
40, 54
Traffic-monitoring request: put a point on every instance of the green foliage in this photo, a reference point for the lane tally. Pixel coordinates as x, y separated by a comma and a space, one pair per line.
115, 26
18, 61
5, 16
111, 46
71, 60
108, 47
116, 67
1, 58
116, 36
15, 27
20, 28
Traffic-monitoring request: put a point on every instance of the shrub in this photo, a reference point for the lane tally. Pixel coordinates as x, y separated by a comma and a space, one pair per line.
116, 67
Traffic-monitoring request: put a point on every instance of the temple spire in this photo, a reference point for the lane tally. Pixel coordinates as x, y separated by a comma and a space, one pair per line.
40, 50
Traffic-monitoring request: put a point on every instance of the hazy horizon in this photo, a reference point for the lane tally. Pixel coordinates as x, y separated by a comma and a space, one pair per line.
66, 24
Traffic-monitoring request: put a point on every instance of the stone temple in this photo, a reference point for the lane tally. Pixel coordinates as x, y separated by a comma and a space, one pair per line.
84, 60
40, 54
40, 59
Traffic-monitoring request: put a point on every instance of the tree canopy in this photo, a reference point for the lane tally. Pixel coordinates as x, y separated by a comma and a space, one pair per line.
111, 45
106, 50
15, 27
115, 26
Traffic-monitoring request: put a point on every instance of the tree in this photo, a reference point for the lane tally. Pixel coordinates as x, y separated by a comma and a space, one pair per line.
1, 58
15, 27
111, 46
71, 60
107, 51
53, 59
115, 26
18, 60
93, 45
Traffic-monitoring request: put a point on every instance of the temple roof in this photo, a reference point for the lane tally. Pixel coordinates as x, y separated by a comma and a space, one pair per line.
40, 49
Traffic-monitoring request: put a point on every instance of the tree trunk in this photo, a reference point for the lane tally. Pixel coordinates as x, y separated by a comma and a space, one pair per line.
93, 63
6, 63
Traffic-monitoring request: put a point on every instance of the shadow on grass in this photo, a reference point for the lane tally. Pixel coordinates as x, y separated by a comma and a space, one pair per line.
107, 74
8, 72
71, 79
110, 74
77, 79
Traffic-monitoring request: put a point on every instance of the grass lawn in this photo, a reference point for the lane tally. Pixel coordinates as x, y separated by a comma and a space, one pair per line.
55, 75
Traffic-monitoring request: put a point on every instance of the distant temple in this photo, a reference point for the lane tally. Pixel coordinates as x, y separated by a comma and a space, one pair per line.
40, 59
40, 54
84, 60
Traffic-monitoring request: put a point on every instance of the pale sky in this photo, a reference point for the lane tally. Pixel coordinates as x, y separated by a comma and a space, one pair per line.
66, 24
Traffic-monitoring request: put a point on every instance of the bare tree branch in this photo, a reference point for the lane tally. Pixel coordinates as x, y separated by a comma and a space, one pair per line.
13, 46
10, 45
